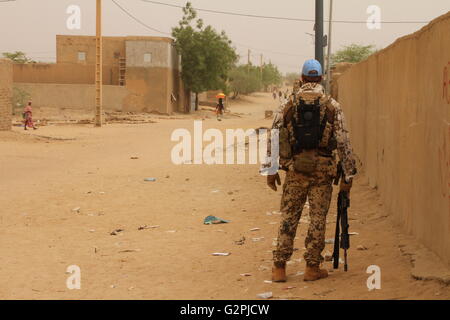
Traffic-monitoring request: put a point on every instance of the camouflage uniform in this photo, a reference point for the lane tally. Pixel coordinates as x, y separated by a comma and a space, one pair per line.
297, 85
316, 186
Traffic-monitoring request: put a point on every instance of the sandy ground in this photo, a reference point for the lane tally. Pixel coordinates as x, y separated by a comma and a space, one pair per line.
47, 173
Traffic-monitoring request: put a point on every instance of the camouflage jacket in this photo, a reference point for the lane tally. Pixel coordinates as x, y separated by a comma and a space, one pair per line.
337, 129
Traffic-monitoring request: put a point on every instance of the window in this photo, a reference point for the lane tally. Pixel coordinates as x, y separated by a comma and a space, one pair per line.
81, 56
147, 57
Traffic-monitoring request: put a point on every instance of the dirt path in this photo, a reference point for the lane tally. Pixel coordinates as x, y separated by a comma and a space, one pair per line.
43, 180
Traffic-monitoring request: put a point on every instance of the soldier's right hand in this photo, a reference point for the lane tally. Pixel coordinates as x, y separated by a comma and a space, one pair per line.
344, 186
273, 180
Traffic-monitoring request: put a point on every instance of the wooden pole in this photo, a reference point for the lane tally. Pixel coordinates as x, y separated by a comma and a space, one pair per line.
262, 59
98, 66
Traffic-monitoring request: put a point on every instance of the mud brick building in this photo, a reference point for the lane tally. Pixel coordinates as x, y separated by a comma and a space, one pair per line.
140, 74
6, 72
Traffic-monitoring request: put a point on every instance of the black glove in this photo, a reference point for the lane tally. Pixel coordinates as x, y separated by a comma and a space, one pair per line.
344, 186
273, 180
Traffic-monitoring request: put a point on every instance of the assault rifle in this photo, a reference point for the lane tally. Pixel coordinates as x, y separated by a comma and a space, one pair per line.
341, 239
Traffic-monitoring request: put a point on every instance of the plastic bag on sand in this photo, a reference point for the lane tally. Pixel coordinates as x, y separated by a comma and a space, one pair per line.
265, 295
214, 220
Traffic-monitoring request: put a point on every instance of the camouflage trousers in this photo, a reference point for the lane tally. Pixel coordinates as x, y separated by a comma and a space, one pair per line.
317, 189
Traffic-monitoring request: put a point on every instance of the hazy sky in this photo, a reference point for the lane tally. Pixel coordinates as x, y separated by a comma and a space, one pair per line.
31, 25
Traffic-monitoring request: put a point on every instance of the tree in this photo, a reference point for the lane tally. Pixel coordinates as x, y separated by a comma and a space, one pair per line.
353, 53
245, 79
17, 57
206, 56
271, 75
20, 98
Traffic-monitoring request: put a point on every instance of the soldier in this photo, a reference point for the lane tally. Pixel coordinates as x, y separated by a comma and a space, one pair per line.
311, 131
297, 85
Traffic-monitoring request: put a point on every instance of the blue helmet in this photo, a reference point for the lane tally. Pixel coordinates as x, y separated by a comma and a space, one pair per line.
312, 68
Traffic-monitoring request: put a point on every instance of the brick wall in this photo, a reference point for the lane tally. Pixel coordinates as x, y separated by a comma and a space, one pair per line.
5, 94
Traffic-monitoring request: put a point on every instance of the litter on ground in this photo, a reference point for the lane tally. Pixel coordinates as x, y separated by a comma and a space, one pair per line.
265, 295
214, 220
223, 254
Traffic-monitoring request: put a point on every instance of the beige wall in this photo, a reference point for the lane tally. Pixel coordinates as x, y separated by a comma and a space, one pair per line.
74, 96
67, 48
148, 86
153, 82
64, 73
159, 51
151, 86
5, 94
397, 104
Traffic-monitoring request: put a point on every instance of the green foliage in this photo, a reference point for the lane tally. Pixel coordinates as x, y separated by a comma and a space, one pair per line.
20, 98
271, 75
17, 57
245, 79
353, 53
206, 56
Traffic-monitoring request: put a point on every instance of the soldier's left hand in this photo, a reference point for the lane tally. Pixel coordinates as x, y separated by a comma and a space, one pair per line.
345, 186
272, 180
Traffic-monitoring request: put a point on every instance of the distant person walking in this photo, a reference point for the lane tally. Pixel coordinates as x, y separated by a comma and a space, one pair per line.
28, 117
219, 109
280, 97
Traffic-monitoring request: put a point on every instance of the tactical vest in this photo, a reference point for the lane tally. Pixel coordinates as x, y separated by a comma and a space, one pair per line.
307, 125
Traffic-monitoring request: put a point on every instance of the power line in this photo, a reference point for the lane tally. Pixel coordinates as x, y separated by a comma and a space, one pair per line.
166, 33
269, 51
239, 44
137, 20
277, 17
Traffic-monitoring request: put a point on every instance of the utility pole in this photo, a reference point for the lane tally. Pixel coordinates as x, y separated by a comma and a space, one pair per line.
319, 32
98, 66
328, 86
262, 59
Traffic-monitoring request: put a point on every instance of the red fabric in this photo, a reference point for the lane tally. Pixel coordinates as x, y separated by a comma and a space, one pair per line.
28, 117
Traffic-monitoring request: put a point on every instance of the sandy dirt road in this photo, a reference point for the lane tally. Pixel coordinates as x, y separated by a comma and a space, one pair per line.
43, 179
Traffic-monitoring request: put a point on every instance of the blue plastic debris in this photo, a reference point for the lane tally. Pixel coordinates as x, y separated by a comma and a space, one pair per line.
214, 220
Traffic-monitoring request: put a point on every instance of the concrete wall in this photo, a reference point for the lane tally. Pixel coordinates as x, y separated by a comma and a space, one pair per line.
5, 94
74, 96
160, 53
398, 108
155, 84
